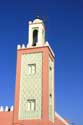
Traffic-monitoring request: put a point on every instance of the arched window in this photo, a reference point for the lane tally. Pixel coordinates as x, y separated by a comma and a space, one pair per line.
35, 37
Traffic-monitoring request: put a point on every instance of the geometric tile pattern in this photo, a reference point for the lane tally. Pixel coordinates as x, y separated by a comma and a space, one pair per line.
30, 86
51, 90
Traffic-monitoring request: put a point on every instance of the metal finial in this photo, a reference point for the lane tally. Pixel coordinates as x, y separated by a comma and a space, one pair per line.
37, 17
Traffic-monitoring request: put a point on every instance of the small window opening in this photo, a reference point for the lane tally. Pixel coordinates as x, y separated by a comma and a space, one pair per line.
31, 68
35, 37
31, 104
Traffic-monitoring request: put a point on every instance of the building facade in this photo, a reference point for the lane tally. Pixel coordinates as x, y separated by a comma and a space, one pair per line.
34, 92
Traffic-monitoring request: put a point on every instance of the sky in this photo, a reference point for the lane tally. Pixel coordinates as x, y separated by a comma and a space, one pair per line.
64, 32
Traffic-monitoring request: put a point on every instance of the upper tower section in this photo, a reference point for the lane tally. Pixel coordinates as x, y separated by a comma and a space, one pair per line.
36, 35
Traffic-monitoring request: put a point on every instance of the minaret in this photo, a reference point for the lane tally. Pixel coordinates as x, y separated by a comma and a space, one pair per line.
34, 93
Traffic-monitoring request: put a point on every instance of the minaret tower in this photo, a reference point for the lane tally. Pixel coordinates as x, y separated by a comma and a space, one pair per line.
34, 93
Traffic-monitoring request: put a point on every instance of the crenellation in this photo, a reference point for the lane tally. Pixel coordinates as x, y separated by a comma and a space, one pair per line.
27, 46
1, 109
12, 108
18, 46
6, 109
23, 46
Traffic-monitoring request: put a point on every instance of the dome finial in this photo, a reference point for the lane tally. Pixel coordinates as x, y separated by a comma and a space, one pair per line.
37, 17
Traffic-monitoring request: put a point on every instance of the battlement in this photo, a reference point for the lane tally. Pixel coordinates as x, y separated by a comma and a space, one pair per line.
6, 109
23, 46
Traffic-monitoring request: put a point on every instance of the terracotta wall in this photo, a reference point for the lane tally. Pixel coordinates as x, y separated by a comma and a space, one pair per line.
6, 118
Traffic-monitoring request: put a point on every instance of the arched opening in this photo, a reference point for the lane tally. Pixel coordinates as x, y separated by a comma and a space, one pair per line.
35, 37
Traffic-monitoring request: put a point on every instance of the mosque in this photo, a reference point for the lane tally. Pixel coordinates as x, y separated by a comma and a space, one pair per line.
34, 90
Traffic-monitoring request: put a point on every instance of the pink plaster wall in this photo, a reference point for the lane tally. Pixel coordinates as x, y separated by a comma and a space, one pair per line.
6, 118
46, 52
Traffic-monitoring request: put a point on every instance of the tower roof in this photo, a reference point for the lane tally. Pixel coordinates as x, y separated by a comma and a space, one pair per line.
37, 20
